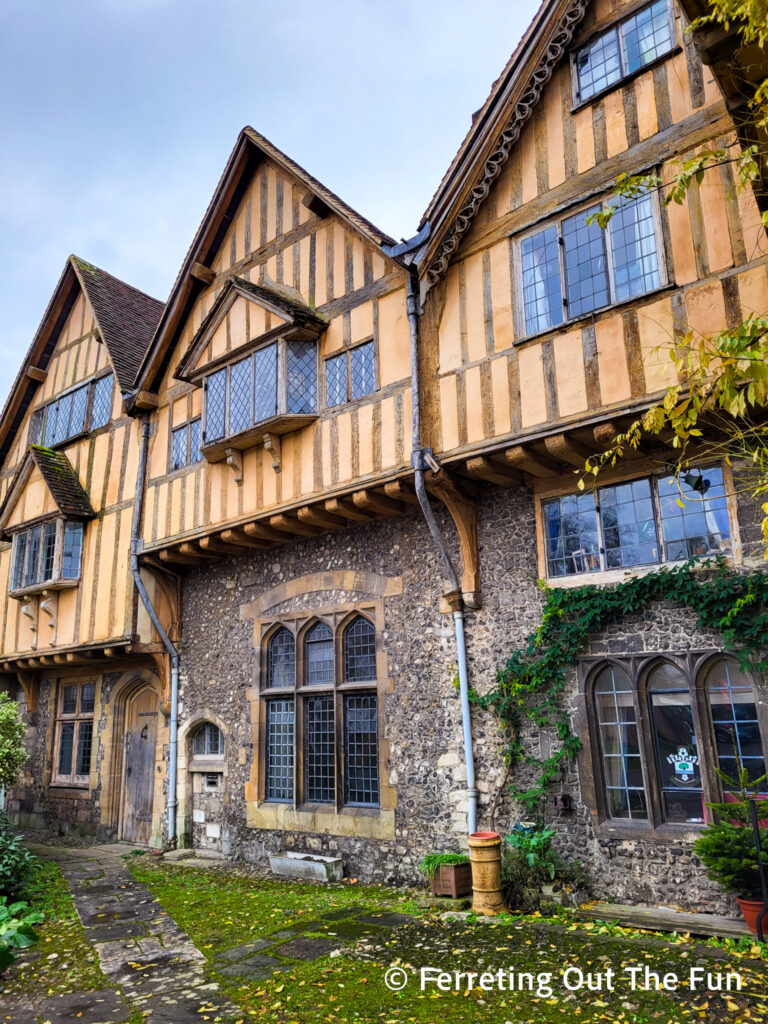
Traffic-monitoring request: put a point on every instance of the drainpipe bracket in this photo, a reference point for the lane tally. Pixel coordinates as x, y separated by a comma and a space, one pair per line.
454, 600
472, 600
424, 459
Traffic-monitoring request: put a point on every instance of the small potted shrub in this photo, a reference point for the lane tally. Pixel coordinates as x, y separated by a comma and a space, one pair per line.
449, 874
728, 853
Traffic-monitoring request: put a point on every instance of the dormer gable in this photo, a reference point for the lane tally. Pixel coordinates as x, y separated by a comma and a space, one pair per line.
246, 316
45, 484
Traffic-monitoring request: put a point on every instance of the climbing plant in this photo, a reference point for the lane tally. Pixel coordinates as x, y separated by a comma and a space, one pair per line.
529, 689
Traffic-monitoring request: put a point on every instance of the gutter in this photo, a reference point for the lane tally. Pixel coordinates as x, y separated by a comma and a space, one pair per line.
138, 507
421, 459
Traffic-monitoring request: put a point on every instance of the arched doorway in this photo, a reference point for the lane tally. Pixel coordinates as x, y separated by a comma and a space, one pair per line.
142, 714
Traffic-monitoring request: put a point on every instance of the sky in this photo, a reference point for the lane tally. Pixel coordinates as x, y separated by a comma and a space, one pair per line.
118, 116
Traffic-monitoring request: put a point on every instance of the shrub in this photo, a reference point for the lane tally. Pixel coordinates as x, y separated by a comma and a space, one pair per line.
729, 854
528, 862
16, 931
433, 861
16, 863
12, 751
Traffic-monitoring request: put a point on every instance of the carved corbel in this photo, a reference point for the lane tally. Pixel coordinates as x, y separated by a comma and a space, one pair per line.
274, 447
464, 514
29, 607
162, 664
31, 687
234, 460
49, 603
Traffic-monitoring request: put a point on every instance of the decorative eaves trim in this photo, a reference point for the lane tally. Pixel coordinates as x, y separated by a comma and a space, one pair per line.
508, 136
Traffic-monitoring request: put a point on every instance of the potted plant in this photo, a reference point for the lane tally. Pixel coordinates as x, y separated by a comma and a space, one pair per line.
449, 874
727, 848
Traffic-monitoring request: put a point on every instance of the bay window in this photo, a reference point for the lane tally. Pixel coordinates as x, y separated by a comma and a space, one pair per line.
46, 555
571, 268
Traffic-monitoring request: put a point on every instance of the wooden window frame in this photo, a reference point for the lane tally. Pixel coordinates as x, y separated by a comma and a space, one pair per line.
521, 330
346, 353
545, 491
42, 410
301, 690
615, 25
695, 666
72, 780
56, 580
189, 461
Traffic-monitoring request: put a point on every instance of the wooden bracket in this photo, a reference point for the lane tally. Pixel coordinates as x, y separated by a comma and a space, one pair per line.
234, 460
202, 273
464, 515
36, 373
29, 608
162, 666
170, 585
30, 684
274, 446
49, 603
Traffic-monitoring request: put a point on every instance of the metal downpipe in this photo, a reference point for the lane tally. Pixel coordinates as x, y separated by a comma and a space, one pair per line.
173, 724
417, 460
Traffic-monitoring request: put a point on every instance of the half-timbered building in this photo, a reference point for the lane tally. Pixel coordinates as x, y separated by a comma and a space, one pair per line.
335, 467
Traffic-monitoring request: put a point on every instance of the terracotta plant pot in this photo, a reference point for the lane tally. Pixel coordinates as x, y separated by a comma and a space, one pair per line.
485, 854
750, 910
453, 880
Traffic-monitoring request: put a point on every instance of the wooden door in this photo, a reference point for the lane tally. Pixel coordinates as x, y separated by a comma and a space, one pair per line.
139, 766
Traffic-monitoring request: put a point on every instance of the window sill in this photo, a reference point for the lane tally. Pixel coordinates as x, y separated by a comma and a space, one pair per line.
566, 325
77, 789
619, 83
40, 588
206, 767
361, 822
609, 576
668, 832
283, 423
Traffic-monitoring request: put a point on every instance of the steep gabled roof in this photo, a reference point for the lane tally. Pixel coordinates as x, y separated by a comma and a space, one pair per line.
495, 129
125, 318
250, 149
60, 479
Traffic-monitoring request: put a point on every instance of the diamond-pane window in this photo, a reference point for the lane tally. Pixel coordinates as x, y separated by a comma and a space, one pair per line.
359, 651
279, 758
319, 655
194, 441
302, 377
79, 407
265, 383
101, 407
49, 550
362, 371
240, 395
336, 380
361, 750
179, 443
62, 418
215, 405
319, 745
281, 659
49, 432
36, 426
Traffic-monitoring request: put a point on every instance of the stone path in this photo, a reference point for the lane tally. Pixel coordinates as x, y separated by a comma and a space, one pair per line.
142, 951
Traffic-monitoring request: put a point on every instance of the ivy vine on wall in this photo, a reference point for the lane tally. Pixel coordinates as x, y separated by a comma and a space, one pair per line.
530, 687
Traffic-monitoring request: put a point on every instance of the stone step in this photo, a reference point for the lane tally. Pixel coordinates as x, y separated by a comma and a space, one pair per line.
664, 919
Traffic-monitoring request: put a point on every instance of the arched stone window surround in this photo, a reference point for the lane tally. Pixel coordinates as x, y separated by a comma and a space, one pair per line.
694, 667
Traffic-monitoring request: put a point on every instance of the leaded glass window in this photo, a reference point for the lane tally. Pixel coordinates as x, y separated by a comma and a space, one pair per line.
735, 720
318, 647
215, 405
336, 380
620, 51
74, 733
573, 268
45, 553
639, 522
361, 750
362, 377
619, 744
71, 551
101, 407
302, 377
281, 659
240, 395
676, 745
280, 745
67, 416
319, 745
265, 383
179, 443
359, 651
208, 741
36, 426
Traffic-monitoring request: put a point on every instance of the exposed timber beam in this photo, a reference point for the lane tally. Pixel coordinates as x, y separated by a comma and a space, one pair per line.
239, 539
35, 373
260, 531
566, 449
317, 516
202, 273
528, 461
371, 501
346, 507
398, 490
172, 556
191, 549
214, 546
288, 524
484, 468
145, 400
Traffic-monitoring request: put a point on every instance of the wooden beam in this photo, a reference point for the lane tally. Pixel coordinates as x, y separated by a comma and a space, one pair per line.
192, 549
288, 524
371, 501
217, 547
399, 490
528, 461
260, 531
315, 204
316, 516
566, 449
485, 469
35, 373
60, 659
345, 507
145, 400
239, 539
172, 556
202, 273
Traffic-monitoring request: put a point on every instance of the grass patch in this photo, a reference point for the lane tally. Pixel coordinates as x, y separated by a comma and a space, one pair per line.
63, 960
221, 909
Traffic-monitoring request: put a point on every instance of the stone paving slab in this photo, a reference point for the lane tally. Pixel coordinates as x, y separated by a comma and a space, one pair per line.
105, 1007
